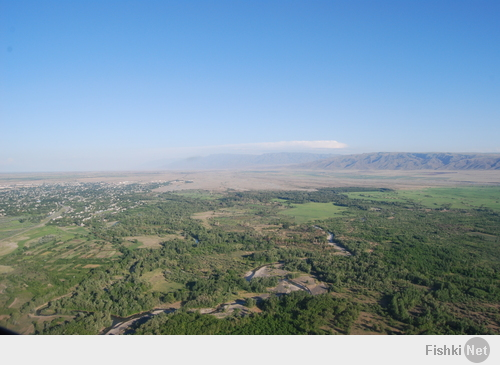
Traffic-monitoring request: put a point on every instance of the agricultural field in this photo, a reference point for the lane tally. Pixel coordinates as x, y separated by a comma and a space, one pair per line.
370, 260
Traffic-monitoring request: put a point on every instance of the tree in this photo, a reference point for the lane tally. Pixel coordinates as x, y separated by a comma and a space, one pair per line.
250, 302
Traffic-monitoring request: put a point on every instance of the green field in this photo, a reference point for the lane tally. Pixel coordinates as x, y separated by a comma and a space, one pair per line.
158, 282
10, 226
313, 211
459, 198
37, 233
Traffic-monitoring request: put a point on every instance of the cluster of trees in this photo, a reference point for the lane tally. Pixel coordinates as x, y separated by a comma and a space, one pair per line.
100, 293
323, 195
295, 314
82, 324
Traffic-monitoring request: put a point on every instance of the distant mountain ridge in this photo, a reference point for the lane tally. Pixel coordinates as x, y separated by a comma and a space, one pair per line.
236, 161
407, 161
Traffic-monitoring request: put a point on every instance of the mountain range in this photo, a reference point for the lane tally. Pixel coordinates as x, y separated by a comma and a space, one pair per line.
365, 161
407, 161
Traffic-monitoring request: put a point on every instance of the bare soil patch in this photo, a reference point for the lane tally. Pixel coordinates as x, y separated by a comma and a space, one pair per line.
90, 266
285, 287
7, 247
368, 324
267, 271
5, 269
310, 283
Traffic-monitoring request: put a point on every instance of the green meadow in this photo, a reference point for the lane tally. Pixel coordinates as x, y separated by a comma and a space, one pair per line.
459, 197
312, 211
10, 226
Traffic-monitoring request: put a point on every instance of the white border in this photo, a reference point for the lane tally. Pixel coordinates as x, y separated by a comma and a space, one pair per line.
233, 350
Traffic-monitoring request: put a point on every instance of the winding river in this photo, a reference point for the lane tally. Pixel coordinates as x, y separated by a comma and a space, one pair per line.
122, 325
334, 243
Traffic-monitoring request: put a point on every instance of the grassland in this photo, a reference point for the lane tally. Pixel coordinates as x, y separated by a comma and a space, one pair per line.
5, 269
456, 198
158, 282
309, 212
152, 241
10, 226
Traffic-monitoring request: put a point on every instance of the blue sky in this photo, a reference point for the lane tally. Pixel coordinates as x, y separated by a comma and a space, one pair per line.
97, 85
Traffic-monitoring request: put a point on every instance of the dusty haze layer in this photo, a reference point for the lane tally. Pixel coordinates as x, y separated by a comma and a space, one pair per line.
265, 179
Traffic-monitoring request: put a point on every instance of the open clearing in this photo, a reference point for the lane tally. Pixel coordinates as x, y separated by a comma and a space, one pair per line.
159, 283
11, 226
223, 213
7, 247
303, 213
151, 241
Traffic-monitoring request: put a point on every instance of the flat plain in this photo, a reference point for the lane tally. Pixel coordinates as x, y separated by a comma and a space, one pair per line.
277, 179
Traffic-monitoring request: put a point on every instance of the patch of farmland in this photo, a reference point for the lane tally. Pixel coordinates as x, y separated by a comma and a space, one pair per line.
70, 254
105, 254
64, 267
90, 254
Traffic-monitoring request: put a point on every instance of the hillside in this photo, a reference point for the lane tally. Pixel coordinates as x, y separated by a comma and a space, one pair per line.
235, 161
407, 161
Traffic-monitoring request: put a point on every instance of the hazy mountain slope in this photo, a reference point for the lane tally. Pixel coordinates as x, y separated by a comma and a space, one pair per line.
234, 161
407, 161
